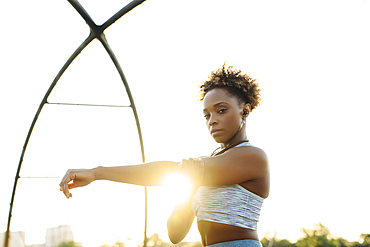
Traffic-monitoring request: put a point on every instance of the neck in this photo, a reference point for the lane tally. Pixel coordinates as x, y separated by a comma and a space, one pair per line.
239, 136
224, 149
234, 140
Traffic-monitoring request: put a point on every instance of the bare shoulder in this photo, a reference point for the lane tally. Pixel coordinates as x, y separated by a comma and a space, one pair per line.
249, 152
255, 158
236, 165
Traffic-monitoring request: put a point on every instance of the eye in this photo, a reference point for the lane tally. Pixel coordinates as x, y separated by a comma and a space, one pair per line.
222, 110
206, 116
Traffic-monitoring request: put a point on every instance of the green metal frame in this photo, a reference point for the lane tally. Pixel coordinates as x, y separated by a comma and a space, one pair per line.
96, 32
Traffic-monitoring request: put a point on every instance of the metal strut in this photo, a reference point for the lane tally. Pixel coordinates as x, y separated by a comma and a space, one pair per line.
96, 32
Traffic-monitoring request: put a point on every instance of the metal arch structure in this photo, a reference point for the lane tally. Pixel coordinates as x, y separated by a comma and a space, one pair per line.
96, 32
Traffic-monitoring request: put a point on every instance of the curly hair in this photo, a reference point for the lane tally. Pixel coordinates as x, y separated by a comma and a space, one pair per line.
240, 86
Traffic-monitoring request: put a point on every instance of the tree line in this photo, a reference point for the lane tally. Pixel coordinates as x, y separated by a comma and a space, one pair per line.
318, 237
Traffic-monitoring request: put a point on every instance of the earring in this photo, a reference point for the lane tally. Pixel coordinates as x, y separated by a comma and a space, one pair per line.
245, 113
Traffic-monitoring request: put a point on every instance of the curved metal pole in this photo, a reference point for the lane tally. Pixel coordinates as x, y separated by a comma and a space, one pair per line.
95, 32
43, 102
103, 40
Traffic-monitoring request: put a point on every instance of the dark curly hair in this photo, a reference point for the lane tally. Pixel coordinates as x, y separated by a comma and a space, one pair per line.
240, 86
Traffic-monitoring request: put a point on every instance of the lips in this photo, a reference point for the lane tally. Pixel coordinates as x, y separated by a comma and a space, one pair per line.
215, 132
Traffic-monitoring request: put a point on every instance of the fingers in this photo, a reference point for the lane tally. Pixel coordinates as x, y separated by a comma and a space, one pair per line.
178, 168
75, 178
193, 168
64, 187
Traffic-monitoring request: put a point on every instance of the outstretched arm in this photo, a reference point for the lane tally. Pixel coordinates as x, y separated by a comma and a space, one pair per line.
148, 174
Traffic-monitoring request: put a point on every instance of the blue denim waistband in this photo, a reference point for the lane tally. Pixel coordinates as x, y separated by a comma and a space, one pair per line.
238, 243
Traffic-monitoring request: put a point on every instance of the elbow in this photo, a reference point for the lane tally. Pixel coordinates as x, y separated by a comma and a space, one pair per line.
174, 240
174, 233
174, 237
178, 225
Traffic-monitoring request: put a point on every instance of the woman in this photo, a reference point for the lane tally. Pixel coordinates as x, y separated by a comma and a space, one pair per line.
229, 186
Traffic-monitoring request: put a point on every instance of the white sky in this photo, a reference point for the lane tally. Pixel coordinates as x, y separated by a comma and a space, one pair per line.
311, 59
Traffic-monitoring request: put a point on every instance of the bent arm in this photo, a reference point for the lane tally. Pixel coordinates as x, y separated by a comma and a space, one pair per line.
180, 221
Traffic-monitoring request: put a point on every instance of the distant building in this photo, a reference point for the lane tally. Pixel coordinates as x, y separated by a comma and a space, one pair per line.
35, 245
17, 239
57, 235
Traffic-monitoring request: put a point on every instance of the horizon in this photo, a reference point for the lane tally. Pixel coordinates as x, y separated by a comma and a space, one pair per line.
130, 243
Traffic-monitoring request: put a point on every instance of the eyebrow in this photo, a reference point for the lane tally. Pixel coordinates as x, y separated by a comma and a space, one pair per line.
217, 104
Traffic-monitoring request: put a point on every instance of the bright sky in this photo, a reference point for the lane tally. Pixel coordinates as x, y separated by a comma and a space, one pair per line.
311, 59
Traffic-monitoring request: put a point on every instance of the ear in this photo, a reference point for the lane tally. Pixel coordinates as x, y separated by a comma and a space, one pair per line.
246, 109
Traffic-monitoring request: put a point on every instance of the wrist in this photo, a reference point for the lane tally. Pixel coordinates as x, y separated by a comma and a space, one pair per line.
97, 173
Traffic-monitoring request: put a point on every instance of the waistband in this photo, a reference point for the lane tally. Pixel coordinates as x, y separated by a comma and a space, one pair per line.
238, 243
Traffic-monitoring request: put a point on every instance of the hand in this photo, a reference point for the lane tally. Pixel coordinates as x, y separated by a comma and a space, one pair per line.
193, 168
79, 178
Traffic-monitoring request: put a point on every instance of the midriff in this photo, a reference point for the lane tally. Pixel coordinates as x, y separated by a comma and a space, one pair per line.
213, 233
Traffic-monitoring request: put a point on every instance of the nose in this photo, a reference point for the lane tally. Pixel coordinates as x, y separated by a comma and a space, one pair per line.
212, 120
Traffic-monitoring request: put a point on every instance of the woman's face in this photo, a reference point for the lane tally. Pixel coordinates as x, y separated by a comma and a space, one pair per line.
224, 115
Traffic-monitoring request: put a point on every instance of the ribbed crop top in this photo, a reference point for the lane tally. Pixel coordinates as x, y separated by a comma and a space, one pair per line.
231, 205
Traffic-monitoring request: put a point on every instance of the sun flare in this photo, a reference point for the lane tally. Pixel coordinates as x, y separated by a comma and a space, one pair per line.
179, 186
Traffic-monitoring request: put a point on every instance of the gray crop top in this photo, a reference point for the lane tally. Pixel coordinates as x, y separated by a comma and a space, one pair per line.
231, 205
